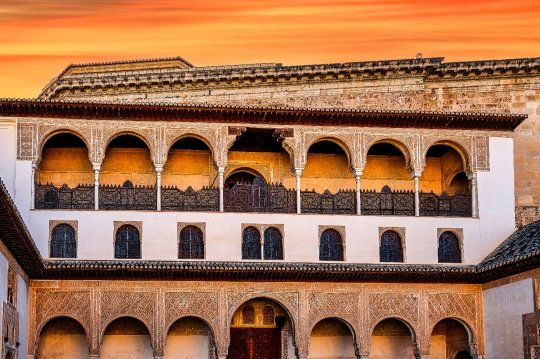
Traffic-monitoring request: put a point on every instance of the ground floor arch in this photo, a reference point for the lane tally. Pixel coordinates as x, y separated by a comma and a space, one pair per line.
261, 328
62, 338
190, 338
392, 338
126, 338
331, 338
450, 339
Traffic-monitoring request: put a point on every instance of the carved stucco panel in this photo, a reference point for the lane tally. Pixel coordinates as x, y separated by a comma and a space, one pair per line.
454, 305
405, 306
344, 306
208, 133
201, 304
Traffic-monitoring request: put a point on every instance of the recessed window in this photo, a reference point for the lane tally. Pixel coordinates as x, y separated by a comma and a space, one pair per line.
128, 243
391, 249
251, 243
12, 287
449, 249
331, 246
273, 244
63, 242
248, 315
191, 244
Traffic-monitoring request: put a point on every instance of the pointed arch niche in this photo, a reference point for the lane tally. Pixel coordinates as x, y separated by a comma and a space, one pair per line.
190, 337
64, 160
386, 165
392, 339
189, 164
62, 338
126, 337
444, 171
331, 338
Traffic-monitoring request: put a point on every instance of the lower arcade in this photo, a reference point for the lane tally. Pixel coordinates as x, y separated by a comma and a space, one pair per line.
109, 319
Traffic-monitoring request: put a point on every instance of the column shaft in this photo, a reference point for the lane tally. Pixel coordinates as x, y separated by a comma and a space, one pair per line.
159, 169
474, 194
297, 174
97, 169
358, 204
33, 187
221, 171
416, 197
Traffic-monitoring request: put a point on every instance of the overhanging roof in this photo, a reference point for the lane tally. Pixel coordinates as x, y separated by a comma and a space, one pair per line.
258, 115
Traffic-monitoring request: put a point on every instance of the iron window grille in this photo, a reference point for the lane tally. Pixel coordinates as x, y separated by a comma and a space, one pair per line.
268, 315
63, 242
191, 244
128, 244
273, 244
391, 247
449, 251
331, 247
251, 243
248, 315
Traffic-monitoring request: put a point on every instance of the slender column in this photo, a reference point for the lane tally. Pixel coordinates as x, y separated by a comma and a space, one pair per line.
221, 171
297, 174
159, 169
357, 175
474, 194
33, 187
97, 168
416, 197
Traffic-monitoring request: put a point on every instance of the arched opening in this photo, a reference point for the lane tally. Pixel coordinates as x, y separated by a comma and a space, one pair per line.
241, 176
127, 158
392, 339
64, 160
450, 340
63, 242
191, 243
189, 164
449, 248
386, 166
126, 337
251, 243
391, 248
62, 338
331, 246
64, 176
127, 244
190, 338
444, 171
261, 328
273, 244
331, 338
327, 168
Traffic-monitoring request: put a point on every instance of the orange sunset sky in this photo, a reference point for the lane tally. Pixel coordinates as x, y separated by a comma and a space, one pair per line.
39, 38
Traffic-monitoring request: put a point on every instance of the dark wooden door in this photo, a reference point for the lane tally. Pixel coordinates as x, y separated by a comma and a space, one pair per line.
255, 343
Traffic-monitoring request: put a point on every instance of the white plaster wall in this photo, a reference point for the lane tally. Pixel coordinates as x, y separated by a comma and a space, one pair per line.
22, 308
503, 310
186, 347
301, 242
126, 347
386, 347
8, 153
23, 186
336, 347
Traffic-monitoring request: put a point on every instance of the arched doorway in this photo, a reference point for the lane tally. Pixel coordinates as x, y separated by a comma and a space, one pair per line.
126, 338
450, 340
444, 171
190, 338
261, 328
62, 338
331, 338
392, 339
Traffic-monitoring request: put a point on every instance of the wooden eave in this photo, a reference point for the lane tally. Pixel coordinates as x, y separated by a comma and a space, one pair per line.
260, 115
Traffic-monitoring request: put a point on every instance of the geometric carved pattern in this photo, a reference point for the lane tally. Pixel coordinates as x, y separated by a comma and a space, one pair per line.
194, 303
116, 304
387, 305
75, 304
444, 305
338, 305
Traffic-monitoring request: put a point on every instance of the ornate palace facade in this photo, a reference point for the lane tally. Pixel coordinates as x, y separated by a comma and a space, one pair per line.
153, 209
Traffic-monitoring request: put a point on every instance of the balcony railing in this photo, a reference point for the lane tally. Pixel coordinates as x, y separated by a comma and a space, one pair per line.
259, 197
48, 196
127, 197
252, 197
342, 202
205, 200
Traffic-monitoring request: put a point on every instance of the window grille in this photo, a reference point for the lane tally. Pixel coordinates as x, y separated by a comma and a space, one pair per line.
12, 286
268, 315
449, 251
273, 244
128, 244
191, 243
248, 315
391, 248
251, 244
331, 247
63, 242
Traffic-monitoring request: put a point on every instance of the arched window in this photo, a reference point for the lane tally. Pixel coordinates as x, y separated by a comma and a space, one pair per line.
248, 315
268, 315
273, 244
449, 251
191, 244
331, 247
251, 243
63, 243
391, 248
128, 244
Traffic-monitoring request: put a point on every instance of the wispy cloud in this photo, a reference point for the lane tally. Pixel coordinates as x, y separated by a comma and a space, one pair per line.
38, 38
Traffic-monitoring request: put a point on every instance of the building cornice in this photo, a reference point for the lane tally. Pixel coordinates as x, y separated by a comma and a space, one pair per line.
259, 115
